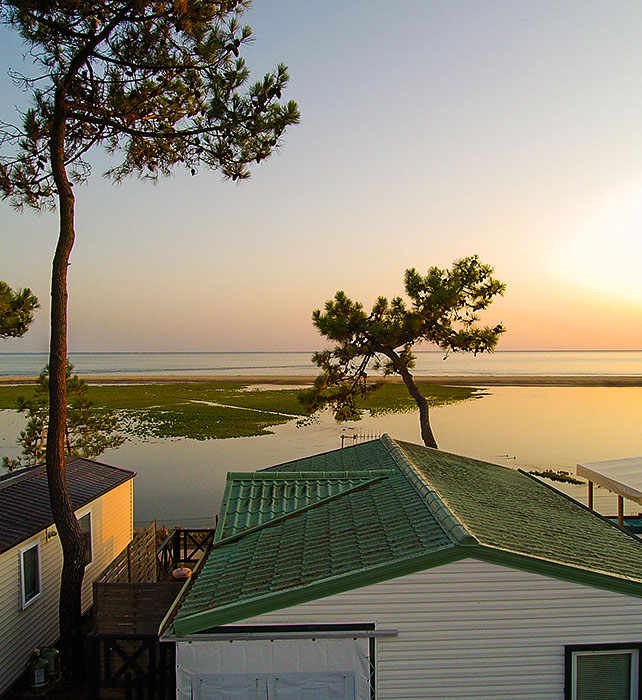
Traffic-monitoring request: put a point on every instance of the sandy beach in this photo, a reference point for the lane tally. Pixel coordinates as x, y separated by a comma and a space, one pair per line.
463, 380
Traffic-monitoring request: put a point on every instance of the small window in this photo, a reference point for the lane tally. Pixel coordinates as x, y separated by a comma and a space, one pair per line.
605, 674
85, 526
29, 574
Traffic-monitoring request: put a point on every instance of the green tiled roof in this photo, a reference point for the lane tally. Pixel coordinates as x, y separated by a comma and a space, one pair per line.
251, 500
343, 519
512, 511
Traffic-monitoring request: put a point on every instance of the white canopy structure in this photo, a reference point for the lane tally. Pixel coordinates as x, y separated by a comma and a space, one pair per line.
621, 476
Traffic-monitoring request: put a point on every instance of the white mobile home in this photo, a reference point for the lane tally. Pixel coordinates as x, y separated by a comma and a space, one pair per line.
31, 554
389, 570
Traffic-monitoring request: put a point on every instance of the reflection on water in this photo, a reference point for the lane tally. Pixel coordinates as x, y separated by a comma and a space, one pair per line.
182, 481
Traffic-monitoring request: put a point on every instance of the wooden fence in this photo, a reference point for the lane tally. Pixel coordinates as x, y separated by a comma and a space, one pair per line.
132, 608
137, 562
351, 436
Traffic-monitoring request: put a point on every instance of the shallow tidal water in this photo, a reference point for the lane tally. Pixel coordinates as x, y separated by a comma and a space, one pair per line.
182, 481
428, 362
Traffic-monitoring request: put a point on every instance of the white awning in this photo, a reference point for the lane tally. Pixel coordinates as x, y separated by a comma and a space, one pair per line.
621, 476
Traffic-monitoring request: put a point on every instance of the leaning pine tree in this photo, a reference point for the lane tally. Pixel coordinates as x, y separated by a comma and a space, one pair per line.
157, 83
444, 311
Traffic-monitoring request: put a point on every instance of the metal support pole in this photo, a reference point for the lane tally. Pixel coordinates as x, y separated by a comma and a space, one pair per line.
590, 494
620, 511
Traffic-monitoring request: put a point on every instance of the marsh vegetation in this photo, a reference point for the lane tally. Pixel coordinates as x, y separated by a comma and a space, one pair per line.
202, 411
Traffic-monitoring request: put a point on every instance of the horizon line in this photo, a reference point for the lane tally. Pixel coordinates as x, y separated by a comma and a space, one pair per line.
297, 352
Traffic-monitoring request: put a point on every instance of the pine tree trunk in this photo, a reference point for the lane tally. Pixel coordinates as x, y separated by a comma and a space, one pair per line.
71, 640
424, 417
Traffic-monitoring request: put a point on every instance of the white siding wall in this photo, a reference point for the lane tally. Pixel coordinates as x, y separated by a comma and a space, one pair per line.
37, 625
475, 630
112, 518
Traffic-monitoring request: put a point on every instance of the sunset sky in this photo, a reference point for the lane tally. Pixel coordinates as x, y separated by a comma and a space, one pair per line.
430, 130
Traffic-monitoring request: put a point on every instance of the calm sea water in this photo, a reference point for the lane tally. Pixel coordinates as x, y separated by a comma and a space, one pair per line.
182, 481
513, 363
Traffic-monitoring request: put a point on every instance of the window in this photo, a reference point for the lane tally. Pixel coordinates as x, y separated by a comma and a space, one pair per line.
29, 574
603, 672
85, 526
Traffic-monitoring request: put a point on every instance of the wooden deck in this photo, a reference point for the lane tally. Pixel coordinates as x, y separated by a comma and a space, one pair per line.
131, 598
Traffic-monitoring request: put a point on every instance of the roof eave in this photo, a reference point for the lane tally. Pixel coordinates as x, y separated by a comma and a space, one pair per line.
198, 622
563, 572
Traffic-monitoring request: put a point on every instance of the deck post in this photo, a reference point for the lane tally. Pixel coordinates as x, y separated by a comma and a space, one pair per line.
93, 667
176, 548
620, 511
589, 485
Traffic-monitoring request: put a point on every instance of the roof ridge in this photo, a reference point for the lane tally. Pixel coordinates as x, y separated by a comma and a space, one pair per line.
70, 459
354, 446
327, 475
448, 521
32, 470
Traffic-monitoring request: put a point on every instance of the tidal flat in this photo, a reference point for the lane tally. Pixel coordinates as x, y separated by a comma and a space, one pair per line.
217, 410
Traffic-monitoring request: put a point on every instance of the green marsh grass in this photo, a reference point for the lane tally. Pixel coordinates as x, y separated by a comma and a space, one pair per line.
156, 411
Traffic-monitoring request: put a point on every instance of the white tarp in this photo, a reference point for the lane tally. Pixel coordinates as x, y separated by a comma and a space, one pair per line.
313, 686
230, 686
621, 476
283, 669
284, 686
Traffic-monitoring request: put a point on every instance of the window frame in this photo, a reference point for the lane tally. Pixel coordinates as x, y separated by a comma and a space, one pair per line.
88, 514
572, 651
24, 603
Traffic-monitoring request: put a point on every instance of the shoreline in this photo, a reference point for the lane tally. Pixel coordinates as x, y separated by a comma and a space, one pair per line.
455, 380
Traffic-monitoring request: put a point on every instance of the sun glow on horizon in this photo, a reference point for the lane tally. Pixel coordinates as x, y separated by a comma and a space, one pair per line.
603, 255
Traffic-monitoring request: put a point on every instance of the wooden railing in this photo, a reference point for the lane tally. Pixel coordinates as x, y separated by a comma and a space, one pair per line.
182, 546
141, 561
137, 562
138, 666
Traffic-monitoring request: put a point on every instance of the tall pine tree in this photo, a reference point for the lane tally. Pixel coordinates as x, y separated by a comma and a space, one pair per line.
157, 83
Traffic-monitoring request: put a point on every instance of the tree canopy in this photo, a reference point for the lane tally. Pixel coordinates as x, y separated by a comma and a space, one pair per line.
16, 311
157, 84
443, 310
90, 431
